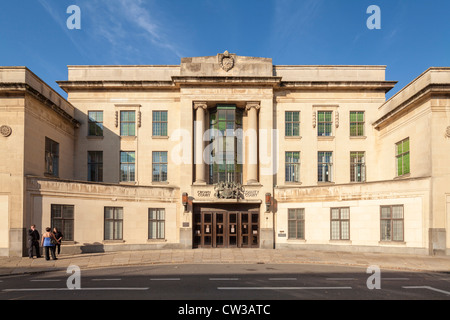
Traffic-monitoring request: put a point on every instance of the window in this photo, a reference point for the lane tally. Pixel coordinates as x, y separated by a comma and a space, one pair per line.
340, 224
392, 223
296, 224
159, 166
402, 155
95, 123
127, 166
156, 223
51, 157
127, 123
357, 166
292, 123
62, 218
226, 163
325, 165
95, 166
159, 124
324, 123
356, 123
292, 166
113, 223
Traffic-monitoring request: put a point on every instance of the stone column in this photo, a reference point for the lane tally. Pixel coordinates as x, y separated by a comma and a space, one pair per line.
252, 132
200, 168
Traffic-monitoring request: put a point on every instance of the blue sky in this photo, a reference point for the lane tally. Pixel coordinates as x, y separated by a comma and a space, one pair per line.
414, 34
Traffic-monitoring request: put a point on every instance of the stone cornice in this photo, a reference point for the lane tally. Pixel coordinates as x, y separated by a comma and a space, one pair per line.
425, 93
385, 86
14, 89
68, 86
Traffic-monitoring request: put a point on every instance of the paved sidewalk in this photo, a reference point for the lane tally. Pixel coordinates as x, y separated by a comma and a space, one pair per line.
13, 266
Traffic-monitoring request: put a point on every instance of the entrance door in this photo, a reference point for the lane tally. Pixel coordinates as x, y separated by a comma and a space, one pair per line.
226, 230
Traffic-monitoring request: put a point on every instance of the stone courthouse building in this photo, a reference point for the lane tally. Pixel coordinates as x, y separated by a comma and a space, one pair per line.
226, 151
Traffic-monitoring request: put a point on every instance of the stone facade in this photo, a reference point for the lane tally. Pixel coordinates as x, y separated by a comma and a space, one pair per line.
314, 151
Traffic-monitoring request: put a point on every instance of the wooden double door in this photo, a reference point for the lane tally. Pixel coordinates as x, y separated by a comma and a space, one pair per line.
223, 229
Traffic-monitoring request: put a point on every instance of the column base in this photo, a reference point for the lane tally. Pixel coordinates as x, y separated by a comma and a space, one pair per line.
200, 183
252, 182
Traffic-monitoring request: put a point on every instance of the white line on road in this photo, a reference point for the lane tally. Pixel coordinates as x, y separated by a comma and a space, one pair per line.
284, 288
165, 279
82, 289
428, 288
45, 280
106, 279
223, 279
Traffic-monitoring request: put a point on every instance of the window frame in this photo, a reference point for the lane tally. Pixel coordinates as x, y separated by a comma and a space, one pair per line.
293, 167
354, 165
96, 124
340, 221
97, 165
68, 236
161, 165
324, 124
358, 124
127, 124
296, 220
158, 221
51, 157
323, 165
391, 220
128, 165
401, 156
292, 124
114, 222
161, 124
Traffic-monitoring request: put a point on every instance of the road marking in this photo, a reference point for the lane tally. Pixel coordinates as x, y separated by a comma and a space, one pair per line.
45, 280
341, 279
82, 289
106, 279
165, 279
282, 279
394, 279
428, 288
284, 288
223, 279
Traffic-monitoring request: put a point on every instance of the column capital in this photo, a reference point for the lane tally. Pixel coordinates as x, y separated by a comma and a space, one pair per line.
251, 105
202, 105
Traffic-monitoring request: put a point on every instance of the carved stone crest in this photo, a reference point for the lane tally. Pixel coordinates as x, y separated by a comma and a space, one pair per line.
226, 61
229, 190
5, 131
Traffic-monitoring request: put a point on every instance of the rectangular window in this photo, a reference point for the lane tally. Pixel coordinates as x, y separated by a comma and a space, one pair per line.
402, 155
292, 123
159, 166
324, 123
113, 223
392, 223
340, 224
357, 166
95, 166
127, 166
63, 219
156, 223
356, 123
51, 157
292, 170
159, 124
296, 224
127, 123
95, 123
325, 166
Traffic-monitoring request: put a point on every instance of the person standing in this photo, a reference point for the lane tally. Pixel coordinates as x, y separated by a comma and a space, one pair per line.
33, 242
58, 235
48, 242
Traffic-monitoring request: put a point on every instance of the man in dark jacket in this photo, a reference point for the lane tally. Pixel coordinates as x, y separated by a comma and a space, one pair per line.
33, 242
